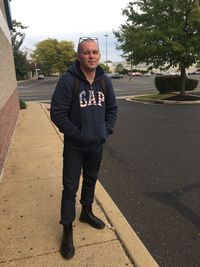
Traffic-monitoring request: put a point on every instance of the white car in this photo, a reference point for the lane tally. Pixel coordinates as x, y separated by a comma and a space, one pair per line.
147, 74
139, 74
40, 76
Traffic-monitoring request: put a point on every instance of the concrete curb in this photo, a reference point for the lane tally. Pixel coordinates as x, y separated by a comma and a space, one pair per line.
131, 242
133, 246
21, 81
133, 98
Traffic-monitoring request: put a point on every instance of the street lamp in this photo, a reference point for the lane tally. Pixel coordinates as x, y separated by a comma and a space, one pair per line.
106, 35
36, 70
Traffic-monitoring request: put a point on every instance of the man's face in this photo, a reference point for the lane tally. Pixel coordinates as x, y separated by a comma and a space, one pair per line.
89, 55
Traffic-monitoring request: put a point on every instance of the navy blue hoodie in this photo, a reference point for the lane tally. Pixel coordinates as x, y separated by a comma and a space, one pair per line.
85, 115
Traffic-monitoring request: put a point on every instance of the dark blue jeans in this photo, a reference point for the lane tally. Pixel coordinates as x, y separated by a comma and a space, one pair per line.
73, 162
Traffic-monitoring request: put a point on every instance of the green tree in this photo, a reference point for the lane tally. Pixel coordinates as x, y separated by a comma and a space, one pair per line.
104, 67
17, 38
53, 56
161, 33
119, 68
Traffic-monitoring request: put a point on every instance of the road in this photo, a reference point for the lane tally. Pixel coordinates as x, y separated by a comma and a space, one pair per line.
40, 90
37, 90
135, 86
151, 169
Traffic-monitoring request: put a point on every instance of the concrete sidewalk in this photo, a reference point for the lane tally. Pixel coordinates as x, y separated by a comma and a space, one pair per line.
30, 192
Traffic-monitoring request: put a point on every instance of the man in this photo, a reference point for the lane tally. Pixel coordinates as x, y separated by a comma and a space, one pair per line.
83, 107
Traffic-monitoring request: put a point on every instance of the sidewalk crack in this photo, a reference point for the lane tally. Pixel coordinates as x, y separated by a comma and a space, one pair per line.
29, 257
98, 243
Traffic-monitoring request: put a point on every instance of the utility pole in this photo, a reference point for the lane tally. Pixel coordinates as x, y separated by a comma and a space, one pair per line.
106, 35
36, 70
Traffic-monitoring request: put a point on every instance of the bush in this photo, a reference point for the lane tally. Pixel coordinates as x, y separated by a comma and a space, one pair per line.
172, 83
22, 104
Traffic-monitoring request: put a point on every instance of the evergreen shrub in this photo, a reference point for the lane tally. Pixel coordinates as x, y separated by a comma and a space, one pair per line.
172, 83
22, 104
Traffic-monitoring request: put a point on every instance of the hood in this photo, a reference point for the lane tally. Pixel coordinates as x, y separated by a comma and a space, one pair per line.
76, 70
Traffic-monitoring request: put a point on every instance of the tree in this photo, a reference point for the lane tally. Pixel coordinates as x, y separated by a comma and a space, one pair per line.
161, 33
53, 56
17, 38
119, 68
104, 67
21, 65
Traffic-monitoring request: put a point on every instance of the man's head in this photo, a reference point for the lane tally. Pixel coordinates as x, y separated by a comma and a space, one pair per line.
88, 54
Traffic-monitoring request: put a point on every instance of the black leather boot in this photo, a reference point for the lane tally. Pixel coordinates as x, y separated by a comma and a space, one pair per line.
67, 248
87, 216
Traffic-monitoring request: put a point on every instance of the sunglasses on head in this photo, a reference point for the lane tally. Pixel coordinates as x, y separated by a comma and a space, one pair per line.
83, 39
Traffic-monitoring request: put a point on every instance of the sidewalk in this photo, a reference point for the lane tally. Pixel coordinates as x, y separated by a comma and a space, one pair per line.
30, 192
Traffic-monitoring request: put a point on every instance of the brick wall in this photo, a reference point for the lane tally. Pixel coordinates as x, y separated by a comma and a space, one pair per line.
8, 119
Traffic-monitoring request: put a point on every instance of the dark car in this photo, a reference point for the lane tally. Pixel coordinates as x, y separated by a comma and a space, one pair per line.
116, 76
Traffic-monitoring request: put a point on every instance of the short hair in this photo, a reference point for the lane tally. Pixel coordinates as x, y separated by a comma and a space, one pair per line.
87, 39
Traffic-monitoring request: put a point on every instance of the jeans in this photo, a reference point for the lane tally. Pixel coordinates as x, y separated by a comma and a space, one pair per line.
73, 162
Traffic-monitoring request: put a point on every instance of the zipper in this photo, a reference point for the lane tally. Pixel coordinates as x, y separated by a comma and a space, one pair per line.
93, 117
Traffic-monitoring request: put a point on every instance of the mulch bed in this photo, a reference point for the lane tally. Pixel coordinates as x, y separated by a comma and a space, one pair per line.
183, 98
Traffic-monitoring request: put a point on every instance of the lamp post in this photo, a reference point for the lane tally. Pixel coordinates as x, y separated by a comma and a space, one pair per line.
36, 70
106, 35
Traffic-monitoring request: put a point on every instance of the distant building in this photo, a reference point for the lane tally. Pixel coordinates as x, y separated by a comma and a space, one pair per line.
112, 66
9, 101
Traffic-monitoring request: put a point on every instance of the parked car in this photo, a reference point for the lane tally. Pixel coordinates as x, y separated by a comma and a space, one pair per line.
115, 76
173, 73
139, 74
159, 73
196, 72
40, 76
147, 74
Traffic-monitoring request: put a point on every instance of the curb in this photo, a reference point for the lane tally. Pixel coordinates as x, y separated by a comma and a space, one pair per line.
129, 239
133, 98
21, 81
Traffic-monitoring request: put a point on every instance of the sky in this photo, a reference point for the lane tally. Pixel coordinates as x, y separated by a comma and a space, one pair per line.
71, 19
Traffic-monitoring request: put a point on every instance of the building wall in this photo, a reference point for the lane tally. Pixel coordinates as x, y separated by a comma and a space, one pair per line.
2, 8
9, 101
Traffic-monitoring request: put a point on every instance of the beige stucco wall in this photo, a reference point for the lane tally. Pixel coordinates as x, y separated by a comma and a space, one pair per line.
2, 7
7, 72
9, 101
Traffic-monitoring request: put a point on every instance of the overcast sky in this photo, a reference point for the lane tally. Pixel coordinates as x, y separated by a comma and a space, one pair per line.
70, 19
